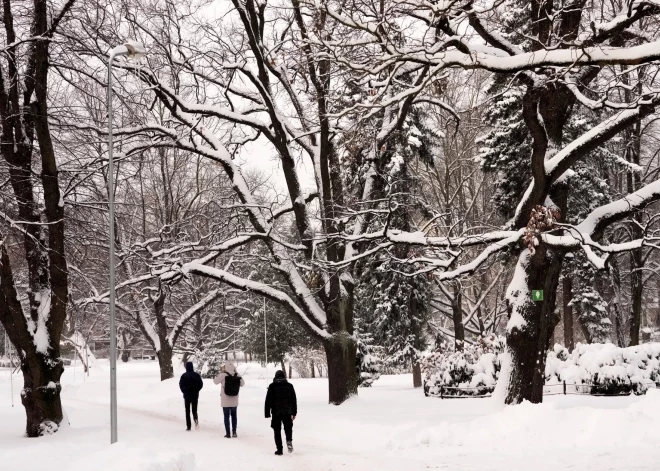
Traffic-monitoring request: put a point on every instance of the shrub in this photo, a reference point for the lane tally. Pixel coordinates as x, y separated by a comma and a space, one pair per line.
610, 370
475, 368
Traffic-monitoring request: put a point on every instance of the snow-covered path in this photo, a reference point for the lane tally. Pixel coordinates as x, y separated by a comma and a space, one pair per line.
388, 427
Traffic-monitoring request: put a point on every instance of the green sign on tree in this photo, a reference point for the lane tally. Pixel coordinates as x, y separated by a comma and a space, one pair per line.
537, 295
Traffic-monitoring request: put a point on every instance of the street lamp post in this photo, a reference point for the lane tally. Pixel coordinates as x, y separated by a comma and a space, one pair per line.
265, 340
130, 49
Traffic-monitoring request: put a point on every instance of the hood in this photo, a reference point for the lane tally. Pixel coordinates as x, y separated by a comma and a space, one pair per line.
279, 374
229, 368
189, 366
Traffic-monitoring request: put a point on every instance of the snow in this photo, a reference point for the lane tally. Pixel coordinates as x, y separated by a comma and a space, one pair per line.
634, 200
134, 458
530, 60
389, 426
40, 333
518, 293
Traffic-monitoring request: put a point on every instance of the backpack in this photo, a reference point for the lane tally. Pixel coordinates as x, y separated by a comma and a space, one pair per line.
232, 384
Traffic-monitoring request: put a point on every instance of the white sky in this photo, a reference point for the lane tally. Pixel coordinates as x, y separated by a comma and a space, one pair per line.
260, 155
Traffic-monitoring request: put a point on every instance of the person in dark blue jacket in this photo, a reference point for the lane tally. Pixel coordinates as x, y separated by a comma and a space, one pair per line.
190, 384
281, 403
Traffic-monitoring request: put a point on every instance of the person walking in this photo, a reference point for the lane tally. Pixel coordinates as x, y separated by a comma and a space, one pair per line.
281, 403
230, 385
190, 384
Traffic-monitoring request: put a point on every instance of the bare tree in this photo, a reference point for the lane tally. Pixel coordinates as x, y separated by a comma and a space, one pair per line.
33, 316
264, 79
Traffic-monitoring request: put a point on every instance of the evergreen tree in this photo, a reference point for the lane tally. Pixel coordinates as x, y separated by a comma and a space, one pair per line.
505, 152
282, 334
589, 189
395, 300
368, 367
506, 147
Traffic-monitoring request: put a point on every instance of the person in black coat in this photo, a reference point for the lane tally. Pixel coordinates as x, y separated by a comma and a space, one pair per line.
281, 403
190, 384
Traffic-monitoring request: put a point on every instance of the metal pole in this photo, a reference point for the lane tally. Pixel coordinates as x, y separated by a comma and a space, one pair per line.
111, 203
265, 342
86, 358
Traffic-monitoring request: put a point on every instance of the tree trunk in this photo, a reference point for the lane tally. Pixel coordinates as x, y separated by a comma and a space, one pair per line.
290, 370
636, 292
311, 364
340, 351
125, 350
583, 327
417, 375
619, 321
46, 280
165, 361
283, 367
164, 350
41, 371
531, 323
633, 183
41, 393
457, 317
569, 339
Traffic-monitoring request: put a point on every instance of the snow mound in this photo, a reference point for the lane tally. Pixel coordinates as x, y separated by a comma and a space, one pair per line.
543, 428
134, 459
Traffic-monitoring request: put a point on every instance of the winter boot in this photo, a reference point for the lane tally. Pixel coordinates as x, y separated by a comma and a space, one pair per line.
279, 453
196, 425
233, 435
227, 435
289, 446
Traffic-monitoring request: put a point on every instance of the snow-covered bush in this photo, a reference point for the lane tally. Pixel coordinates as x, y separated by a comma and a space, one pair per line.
610, 370
591, 368
209, 361
474, 369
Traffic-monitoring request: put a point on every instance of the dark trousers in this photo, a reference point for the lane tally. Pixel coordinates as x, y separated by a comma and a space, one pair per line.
276, 422
191, 402
227, 411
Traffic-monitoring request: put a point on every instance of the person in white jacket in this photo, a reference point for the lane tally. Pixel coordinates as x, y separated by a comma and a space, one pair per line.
230, 384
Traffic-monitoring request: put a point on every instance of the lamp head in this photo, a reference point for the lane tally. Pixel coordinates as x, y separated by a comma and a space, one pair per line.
135, 49
132, 49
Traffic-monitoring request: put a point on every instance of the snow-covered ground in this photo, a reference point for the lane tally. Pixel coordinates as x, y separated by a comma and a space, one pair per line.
388, 427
